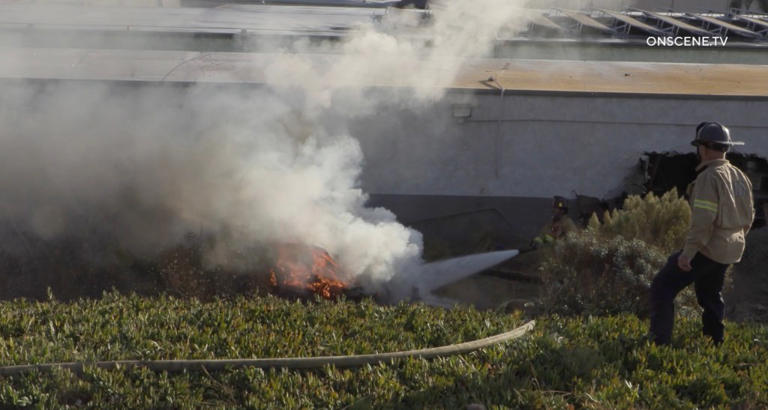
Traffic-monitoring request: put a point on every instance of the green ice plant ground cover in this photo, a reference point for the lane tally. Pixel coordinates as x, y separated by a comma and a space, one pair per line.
592, 362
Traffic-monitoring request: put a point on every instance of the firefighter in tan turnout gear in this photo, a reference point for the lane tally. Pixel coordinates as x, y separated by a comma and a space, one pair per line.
721, 215
558, 227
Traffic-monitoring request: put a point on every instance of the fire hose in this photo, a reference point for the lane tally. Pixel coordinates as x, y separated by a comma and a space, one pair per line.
285, 362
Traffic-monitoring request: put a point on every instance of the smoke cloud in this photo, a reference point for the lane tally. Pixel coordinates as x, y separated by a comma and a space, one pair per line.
140, 167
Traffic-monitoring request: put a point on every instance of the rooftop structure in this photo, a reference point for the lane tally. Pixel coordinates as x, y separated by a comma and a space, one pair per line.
297, 18
479, 75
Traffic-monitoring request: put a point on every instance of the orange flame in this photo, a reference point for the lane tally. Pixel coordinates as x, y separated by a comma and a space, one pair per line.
307, 268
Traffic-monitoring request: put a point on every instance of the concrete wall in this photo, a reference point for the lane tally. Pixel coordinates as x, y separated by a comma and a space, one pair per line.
479, 159
538, 145
493, 175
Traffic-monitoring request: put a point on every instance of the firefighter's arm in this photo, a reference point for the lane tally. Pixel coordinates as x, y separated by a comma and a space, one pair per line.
747, 228
751, 201
703, 213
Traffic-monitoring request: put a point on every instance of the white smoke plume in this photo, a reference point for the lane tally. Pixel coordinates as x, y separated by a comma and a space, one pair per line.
140, 167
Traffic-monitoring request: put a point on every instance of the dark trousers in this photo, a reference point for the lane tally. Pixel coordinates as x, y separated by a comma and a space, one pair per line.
708, 277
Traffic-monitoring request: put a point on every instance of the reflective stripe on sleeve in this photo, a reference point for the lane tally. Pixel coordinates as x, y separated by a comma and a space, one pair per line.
706, 205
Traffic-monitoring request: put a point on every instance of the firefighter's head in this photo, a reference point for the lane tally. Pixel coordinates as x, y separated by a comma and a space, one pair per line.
560, 206
714, 137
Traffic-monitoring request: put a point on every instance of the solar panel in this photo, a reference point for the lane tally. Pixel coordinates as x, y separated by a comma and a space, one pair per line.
679, 24
586, 20
634, 22
543, 21
726, 26
761, 26
250, 21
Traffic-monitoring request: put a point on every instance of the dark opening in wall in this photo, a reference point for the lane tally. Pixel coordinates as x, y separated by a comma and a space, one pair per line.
666, 170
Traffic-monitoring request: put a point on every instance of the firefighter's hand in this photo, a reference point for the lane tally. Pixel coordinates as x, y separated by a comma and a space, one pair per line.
684, 263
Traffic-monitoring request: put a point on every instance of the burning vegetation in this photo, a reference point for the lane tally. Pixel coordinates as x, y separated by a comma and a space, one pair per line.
284, 269
300, 269
290, 270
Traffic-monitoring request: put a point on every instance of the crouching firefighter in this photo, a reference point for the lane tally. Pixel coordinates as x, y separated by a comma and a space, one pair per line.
721, 215
558, 227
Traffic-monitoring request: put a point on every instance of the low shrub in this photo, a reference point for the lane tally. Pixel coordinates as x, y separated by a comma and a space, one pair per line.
661, 222
589, 275
608, 267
